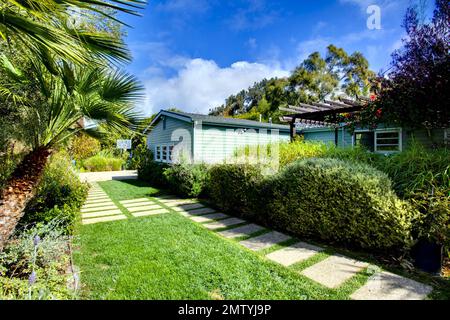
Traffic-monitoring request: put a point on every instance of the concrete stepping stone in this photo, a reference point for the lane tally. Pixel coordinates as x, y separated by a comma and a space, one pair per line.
205, 210
97, 198
104, 219
105, 212
166, 197
209, 217
96, 193
224, 223
294, 253
173, 203
389, 286
97, 201
149, 213
100, 214
85, 210
265, 241
144, 208
139, 204
134, 201
188, 207
243, 231
334, 271
95, 205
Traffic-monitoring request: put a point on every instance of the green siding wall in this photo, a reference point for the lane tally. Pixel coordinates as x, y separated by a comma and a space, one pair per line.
174, 129
214, 144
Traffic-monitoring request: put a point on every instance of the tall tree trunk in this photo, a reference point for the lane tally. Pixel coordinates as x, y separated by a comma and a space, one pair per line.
19, 190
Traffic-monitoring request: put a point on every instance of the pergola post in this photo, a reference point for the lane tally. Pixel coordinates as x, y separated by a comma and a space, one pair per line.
293, 130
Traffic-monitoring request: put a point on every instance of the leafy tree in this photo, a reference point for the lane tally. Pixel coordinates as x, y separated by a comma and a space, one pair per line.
45, 28
415, 93
315, 79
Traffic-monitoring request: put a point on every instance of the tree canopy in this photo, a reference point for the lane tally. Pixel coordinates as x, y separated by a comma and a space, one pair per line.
315, 79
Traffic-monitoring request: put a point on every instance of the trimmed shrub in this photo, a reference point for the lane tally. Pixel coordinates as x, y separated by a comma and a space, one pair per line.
60, 194
153, 172
83, 146
187, 180
101, 163
234, 188
338, 201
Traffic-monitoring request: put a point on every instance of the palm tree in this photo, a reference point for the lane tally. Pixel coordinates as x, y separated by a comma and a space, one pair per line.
45, 28
95, 93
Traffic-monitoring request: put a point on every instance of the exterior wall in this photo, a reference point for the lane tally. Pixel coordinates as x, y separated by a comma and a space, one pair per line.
214, 144
345, 136
176, 132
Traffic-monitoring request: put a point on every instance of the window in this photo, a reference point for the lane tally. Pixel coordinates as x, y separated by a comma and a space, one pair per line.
164, 153
365, 139
388, 141
158, 153
383, 141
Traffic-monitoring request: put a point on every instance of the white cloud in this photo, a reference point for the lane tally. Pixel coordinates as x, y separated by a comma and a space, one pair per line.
200, 85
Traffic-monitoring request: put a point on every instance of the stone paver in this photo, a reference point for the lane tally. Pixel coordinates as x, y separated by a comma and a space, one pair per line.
173, 203
188, 207
265, 241
100, 214
104, 219
104, 212
101, 204
243, 231
85, 210
209, 217
165, 197
224, 223
202, 211
334, 271
96, 193
138, 204
294, 253
134, 201
97, 198
389, 286
150, 213
96, 201
144, 208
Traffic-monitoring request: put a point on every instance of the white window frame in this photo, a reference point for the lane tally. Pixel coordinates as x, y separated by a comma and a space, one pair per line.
159, 157
390, 130
376, 132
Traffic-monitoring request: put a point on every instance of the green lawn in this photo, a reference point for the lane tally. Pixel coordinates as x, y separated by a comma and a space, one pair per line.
170, 257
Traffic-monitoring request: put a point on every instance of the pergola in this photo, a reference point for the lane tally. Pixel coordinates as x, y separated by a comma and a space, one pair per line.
320, 114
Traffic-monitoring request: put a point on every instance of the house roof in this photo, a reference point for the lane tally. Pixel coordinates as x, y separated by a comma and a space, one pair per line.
218, 121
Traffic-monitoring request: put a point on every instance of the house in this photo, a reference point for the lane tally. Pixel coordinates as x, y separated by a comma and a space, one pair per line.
206, 139
323, 124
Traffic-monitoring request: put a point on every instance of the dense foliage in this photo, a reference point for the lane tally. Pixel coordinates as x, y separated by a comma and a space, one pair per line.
415, 92
100, 163
60, 195
338, 201
34, 265
153, 172
83, 146
187, 180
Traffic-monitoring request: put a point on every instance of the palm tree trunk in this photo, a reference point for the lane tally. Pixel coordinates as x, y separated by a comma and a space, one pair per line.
19, 190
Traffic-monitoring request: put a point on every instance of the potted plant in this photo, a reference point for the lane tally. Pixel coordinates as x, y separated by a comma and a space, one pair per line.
432, 231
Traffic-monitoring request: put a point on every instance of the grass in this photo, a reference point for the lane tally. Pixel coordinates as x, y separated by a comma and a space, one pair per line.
171, 257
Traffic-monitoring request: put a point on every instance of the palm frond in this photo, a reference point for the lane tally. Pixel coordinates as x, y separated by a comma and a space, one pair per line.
121, 87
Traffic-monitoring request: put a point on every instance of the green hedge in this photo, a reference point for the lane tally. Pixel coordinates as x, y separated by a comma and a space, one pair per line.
101, 163
60, 194
153, 172
234, 188
187, 180
338, 201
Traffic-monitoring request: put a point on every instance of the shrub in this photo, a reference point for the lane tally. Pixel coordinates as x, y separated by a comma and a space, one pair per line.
234, 188
83, 146
338, 201
103, 163
153, 172
187, 180
33, 265
140, 155
60, 194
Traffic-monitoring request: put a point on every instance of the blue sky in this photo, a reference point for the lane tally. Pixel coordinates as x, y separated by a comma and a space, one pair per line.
192, 54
